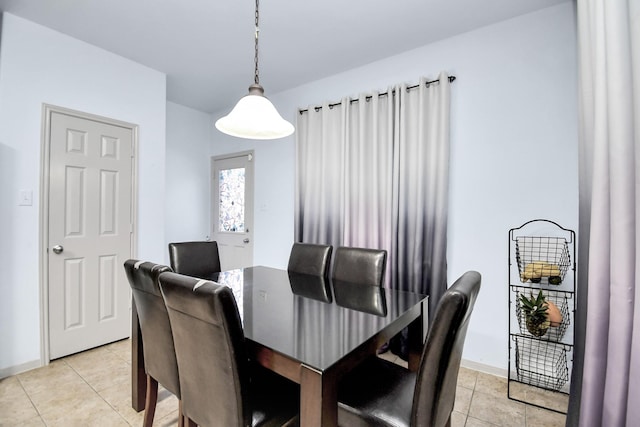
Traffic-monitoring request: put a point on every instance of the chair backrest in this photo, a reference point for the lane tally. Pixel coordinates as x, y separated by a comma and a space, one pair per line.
438, 373
359, 265
310, 258
158, 347
196, 259
212, 360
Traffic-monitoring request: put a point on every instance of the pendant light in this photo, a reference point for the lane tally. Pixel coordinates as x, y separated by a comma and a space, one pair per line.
254, 116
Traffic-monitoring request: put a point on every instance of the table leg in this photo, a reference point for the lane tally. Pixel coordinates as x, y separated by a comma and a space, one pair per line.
416, 339
138, 375
318, 398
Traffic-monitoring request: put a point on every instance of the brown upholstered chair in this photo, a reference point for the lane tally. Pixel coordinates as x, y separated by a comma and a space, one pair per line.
220, 387
159, 352
309, 258
359, 265
196, 259
381, 393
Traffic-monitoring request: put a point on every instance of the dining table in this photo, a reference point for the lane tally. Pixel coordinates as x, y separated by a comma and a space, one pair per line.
310, 330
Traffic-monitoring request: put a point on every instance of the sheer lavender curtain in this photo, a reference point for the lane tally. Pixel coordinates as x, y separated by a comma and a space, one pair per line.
607, 363
375, 173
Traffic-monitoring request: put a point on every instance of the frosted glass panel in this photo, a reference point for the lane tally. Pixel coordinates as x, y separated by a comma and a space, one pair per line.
231, 195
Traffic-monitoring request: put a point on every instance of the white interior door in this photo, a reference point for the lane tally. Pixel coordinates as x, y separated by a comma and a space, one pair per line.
90, 231
232, 209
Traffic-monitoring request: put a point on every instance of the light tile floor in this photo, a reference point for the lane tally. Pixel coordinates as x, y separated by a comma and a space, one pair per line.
481, 400
93, 389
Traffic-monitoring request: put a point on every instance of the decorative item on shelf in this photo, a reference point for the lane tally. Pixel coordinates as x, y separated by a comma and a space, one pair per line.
536, 270
557, 311
254, 116
554, 315
535, 310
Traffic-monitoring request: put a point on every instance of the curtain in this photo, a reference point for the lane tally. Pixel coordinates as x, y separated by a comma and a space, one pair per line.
374, 172
606, 376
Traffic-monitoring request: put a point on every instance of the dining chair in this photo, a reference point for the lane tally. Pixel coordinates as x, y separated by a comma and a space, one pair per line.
309, 258
197, 259
359, 265
382, 393
158, 348
220, 387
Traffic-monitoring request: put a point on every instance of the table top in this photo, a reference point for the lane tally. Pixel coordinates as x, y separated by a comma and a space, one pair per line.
308, 318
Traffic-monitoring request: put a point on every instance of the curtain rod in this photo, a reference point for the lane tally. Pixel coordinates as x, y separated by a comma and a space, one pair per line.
351, 101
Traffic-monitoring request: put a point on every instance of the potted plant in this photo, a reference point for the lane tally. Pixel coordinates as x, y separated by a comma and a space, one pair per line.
535, 312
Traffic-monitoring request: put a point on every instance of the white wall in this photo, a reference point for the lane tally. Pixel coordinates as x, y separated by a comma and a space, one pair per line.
189, 133
38, 65
514, 150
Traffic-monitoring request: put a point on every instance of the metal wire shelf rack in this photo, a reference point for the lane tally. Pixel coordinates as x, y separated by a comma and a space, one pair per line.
541, 259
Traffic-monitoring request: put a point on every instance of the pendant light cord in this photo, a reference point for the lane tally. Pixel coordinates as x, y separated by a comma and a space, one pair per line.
256, 78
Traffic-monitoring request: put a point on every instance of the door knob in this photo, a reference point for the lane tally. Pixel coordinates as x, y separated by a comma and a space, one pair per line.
58, 249
245, 241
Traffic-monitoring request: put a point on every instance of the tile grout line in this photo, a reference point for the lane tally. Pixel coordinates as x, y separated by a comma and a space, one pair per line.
96, 391
30, 400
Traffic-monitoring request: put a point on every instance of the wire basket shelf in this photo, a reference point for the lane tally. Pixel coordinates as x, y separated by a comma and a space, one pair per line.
558, 298
542, 259
541, 363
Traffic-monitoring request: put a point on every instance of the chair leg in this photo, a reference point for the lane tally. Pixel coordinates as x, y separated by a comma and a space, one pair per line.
150, 403
191, 423
181, 416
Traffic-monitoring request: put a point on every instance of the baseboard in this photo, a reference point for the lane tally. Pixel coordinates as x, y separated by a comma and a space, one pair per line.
13, 370
481, 367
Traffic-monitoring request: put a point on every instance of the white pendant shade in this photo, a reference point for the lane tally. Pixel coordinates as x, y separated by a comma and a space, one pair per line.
254, 117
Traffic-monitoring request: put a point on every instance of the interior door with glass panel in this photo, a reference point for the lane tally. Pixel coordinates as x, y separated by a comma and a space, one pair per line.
232, 208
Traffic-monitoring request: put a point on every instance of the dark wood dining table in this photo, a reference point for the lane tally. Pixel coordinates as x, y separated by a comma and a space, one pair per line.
299, 327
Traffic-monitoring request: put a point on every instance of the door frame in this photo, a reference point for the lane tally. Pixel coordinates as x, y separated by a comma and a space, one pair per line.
45, 149
213, 191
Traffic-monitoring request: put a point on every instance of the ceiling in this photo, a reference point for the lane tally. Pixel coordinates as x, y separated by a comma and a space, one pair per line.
206, 47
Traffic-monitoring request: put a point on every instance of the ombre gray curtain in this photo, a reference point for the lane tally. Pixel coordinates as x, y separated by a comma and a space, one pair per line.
374, 172
606, 376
